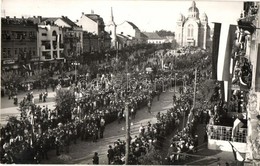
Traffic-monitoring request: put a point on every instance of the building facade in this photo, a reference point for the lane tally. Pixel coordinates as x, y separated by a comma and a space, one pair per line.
131, 31
50, 43
93, 24
193, 30
18, 44
249, 25
154, 38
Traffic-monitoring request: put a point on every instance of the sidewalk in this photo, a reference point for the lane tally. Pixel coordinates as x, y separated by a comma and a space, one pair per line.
6, 103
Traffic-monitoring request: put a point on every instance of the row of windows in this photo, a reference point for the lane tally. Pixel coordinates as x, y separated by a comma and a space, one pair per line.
7, 35
7, 52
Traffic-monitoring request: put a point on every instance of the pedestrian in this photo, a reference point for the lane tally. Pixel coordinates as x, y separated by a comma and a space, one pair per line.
149, 107
110, 154
15, 100
102, 127
40, 97
95, 159
44, 97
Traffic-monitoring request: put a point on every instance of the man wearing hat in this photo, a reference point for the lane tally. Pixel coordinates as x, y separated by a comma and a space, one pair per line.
110, 154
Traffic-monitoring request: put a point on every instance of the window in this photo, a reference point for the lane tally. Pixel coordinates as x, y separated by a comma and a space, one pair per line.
4, 53
44, 34
9, 52
190, 30
54, 33
15, 51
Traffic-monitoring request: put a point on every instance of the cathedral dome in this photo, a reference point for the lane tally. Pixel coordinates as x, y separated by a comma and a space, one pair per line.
204, 17
193, 10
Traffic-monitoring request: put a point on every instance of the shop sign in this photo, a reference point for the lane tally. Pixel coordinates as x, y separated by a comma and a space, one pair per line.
8, 61
35, 59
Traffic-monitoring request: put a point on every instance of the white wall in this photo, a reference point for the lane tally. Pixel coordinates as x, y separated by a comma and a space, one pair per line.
49, 30
126, 28
225, 145
61, 23
88, 24
195, 32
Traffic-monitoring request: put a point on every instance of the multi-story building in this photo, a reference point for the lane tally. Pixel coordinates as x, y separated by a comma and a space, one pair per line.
193, 31
18, 44
50, 43
250, 35
72, 35
243, 92
94, 29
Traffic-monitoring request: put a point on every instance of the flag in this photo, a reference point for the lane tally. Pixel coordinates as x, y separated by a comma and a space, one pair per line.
237, 154
237, 124
223, 38
215, 45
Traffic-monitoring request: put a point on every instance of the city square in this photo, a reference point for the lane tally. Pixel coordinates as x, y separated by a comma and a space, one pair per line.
97, 91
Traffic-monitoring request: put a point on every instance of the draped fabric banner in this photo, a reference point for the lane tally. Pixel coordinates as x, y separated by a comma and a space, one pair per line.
227, 36
223, 37
215, 46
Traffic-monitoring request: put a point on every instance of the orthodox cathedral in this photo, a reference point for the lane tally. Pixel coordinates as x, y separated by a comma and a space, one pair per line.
193, 30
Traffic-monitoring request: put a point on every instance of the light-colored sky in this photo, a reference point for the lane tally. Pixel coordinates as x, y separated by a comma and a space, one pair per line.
147, 15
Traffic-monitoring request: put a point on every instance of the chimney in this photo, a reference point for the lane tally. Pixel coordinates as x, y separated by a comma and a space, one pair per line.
14, 17
22, 17
82, 13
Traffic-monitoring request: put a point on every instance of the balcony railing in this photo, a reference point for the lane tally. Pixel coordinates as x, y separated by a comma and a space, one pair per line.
224, 133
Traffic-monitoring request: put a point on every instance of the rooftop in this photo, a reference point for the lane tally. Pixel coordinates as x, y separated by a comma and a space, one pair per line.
152, 35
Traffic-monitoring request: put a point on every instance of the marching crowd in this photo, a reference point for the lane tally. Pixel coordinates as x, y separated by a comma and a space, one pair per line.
40, 129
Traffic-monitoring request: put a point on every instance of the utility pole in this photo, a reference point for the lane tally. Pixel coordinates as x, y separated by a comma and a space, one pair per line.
127, 119
127, 133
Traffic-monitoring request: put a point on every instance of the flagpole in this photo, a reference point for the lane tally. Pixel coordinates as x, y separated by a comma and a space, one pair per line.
195, 86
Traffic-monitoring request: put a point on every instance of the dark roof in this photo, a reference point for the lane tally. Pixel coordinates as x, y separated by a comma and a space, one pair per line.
143, 35
17, 21
152, 35
68, 21
132, 24
53, 19
95, 17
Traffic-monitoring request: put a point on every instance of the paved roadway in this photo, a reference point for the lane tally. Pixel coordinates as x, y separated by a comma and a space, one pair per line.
9, 109
82, 152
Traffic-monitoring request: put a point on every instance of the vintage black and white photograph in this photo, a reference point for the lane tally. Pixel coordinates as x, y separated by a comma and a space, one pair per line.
131, 82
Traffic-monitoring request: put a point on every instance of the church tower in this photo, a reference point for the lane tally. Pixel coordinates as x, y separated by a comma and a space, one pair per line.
179, 30
111, 29
204, 30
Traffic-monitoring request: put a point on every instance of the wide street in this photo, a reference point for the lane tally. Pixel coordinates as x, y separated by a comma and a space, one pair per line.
82, 152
